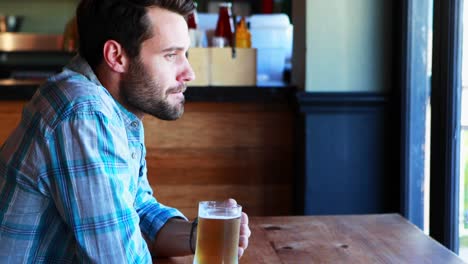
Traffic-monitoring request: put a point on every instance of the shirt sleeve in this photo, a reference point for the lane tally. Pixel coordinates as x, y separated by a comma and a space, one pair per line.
87, 178
153, 215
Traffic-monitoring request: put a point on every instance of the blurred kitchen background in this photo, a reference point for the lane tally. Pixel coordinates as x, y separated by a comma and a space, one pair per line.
40, 16
45, 25
50, 16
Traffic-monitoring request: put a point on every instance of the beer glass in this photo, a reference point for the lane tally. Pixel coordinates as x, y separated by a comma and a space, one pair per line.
217, 233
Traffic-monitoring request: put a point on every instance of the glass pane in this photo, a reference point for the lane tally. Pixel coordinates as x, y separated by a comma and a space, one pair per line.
463, 225
427, 178
427, 144
463, 216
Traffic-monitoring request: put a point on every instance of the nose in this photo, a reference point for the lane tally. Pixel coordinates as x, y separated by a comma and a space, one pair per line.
187, 73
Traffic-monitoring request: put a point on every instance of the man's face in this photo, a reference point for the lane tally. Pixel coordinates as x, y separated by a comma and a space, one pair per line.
155, 81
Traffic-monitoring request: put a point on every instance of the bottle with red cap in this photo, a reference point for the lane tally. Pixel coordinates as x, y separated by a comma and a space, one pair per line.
192, 19
224, 27
194, 34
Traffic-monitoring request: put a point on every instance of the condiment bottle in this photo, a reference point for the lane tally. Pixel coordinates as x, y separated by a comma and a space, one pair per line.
192, 23
243, 37
224, 27
192, 18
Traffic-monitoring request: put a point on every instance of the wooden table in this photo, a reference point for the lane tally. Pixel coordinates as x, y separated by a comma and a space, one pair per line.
383, 238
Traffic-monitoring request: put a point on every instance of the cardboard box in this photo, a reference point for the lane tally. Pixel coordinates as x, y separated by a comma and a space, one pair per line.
220, 67
199, 59
228, 69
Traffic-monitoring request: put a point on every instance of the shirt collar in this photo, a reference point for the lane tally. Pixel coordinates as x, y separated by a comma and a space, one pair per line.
79, 65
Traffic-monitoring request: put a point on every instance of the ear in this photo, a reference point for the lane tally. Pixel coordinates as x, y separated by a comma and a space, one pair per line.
115, 56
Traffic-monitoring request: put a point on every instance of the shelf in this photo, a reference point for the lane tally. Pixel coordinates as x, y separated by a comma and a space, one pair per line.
24, 89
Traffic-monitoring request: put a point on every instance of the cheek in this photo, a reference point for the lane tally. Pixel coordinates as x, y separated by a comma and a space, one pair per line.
161, 72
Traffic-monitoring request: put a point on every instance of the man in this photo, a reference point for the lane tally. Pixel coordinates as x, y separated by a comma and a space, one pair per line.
73, 184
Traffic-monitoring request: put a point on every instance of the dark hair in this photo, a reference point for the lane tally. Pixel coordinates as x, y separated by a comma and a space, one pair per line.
124, 21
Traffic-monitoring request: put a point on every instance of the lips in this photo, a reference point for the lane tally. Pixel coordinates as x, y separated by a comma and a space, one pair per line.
179, 89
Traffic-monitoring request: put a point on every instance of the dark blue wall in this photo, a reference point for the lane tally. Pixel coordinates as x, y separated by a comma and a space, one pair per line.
349, 141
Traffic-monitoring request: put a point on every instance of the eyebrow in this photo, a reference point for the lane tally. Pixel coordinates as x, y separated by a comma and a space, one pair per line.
173, 49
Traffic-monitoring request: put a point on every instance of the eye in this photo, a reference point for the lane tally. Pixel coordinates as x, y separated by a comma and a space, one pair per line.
171, 56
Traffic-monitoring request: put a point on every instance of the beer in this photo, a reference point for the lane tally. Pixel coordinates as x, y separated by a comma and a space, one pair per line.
218, 236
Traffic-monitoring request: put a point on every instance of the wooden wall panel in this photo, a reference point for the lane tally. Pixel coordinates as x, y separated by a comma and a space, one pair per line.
247, 125
271, 199
222, 150
10, 115
215, 151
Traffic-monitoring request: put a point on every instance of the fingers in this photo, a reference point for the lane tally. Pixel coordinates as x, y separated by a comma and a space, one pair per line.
240, 252
243, 242
244, 228
230, 202
244, 234
244, 218
244, 237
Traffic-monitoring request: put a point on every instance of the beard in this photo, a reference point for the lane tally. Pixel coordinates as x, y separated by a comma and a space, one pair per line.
145, 94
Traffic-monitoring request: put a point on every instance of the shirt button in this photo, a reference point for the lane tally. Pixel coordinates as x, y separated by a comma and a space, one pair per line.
134, 124
134, 155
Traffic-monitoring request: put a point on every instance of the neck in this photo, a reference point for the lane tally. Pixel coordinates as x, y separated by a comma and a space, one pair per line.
111, 81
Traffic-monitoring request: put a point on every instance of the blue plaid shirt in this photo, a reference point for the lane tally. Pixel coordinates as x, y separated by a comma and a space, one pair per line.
73, 183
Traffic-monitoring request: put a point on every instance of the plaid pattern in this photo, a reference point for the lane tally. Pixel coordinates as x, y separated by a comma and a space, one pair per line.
73, 183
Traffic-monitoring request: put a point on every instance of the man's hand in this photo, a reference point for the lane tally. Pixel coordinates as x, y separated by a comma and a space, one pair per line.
244, 234
244, 231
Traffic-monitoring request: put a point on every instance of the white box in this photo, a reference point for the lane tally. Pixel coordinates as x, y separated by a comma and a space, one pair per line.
272, 37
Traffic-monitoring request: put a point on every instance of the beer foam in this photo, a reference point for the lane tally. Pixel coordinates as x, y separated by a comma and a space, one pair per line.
207, 215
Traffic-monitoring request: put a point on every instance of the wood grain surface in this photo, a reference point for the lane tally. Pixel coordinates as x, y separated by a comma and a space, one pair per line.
223, 150
214, 152
385, 238
10, 115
